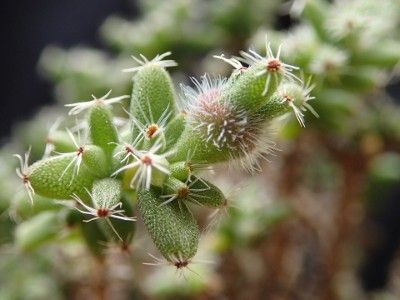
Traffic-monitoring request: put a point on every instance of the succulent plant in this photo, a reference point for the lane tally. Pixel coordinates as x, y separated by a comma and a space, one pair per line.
145, 156
159, 153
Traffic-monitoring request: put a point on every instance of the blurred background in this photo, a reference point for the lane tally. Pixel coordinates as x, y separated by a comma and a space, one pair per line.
322, 221
27, 28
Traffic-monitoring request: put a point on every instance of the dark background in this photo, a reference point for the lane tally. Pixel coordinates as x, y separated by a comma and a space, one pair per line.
26, 27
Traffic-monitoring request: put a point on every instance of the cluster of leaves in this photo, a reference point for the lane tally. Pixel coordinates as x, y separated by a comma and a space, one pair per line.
157, 152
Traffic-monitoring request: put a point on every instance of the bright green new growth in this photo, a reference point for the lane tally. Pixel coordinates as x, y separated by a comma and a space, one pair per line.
111, 213
249, 90
94, 158
152, 100
150, 83
158, 153
52, 178
181, 170
102, 130
120, 232
195, 190
174, 129
106, 192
